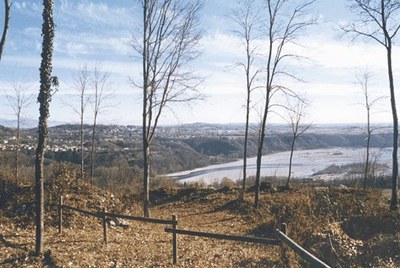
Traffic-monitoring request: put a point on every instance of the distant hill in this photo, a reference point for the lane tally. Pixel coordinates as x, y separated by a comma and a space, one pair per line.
25, 123
182, 147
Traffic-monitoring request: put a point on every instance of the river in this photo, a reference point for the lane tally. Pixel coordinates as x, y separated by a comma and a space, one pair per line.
305, 164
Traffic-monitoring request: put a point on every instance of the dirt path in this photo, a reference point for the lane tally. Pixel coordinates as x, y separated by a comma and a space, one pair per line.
142, 244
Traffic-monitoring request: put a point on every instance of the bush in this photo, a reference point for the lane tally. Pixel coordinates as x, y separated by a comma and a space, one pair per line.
226, 182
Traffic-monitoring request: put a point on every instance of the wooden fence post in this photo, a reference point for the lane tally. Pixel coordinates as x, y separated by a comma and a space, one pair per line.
283, 249
284, 228
60, 212
174, 240
104, 226
3, 187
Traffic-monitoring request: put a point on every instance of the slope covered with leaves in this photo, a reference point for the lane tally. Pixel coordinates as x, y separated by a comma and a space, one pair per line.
343, 227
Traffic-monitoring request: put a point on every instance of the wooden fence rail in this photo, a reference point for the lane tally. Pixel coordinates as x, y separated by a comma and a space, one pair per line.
103, 214
281, 237
304, 254
248, 239
85, 212
258, 240
137, 218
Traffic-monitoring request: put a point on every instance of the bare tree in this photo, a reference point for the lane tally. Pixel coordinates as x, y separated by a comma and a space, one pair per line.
81, 84
369, 102
166, 47
247, 18
44, 98
286, 19
102, 92
379, 21
295, 117
7, 7
18, 101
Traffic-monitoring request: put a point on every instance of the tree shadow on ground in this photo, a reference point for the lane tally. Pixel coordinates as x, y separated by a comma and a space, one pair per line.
259, 263
230, 219
162, 195
28, 259
75, 241
4, 242
237, 206
48, 260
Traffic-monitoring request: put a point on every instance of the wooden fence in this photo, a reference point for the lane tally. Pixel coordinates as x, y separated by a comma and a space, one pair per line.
281, 236
304, 254
174, 231
103, 214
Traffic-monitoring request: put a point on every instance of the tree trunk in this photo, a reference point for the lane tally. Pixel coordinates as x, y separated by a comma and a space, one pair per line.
257, 183
290, 161
44, 103
81, 143
146, 179
145, 134
246, 134
92, 149
17, 149
7, 7
39, 190
366, 171
268, 89
395, 168
259, 155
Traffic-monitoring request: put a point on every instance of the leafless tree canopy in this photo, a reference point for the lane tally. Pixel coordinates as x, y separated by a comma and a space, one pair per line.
102, 94
81, 85
379, 21
296, 113
19, 99
167, 47
370, 101
285, 22
247, 18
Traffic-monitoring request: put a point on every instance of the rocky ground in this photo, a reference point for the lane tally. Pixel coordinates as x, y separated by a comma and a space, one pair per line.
343, 227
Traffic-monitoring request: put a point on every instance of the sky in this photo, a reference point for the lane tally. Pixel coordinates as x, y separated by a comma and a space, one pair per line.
90, 31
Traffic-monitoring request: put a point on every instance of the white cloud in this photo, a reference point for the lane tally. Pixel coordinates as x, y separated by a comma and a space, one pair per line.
330, 53
221, 45
26, 6
32, 32
93, 29
86, 43
75, 49
95, 13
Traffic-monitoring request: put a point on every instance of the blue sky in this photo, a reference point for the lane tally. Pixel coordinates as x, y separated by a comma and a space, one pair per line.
101, 30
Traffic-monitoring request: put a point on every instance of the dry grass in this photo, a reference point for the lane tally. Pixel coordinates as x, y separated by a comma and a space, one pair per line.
344, 227
140, 245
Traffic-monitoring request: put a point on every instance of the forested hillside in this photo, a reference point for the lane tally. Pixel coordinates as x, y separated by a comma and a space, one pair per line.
181, 151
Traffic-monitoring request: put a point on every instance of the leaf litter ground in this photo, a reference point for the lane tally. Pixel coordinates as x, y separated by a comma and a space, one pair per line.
344, 227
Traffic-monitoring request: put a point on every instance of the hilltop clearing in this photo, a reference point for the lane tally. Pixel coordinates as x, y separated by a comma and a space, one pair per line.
343, 227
